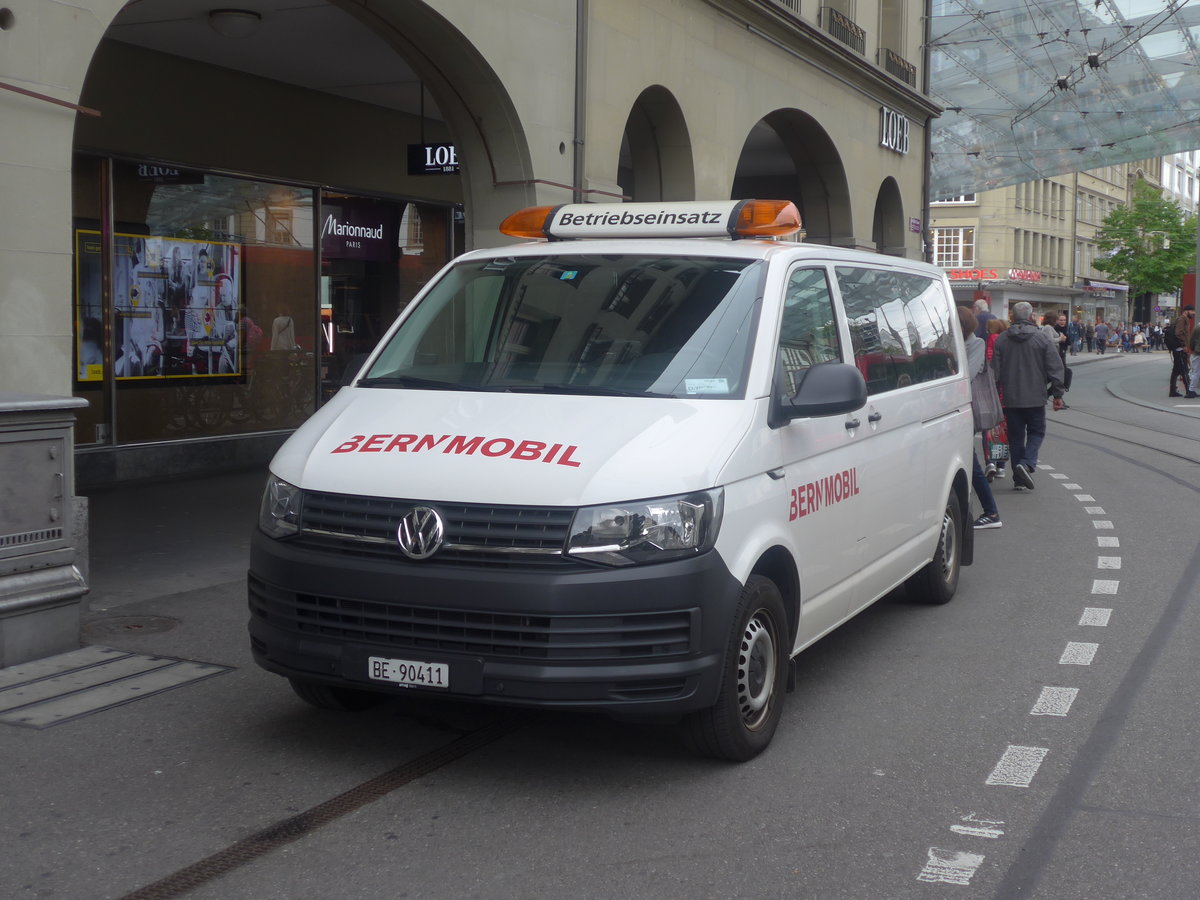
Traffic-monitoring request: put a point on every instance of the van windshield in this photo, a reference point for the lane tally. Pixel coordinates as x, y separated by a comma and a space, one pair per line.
629, 325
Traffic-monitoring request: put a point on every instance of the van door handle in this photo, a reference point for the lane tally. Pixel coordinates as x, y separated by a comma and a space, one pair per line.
851, 424
874, 417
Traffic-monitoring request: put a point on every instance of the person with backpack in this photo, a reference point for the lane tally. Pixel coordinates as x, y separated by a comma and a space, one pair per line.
1176, 338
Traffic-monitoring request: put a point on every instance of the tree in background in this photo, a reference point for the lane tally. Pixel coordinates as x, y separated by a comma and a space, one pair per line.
1150, 244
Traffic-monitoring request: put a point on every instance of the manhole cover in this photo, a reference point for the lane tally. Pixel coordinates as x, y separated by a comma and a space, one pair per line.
129, 625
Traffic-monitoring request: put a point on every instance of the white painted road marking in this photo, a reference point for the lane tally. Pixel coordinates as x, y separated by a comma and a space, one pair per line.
1054, 701
949, 867
1103, 586
1093, 615
1085, 498
1017, 766
984, 828
1094, 510
1108, 562
1072, 486
1078, 653
1059, 477
1106, 541
1101, 523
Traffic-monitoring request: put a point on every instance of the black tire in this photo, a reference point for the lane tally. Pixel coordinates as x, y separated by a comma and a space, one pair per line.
328, 696
749, 704
937, 582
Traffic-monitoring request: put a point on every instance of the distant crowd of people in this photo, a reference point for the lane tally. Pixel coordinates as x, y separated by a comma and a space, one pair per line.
1028, 363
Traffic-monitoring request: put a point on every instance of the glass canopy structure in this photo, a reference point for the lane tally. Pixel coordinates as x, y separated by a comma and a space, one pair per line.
1034, 88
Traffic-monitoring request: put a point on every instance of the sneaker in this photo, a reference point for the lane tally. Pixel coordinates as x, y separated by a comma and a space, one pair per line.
1191, 395
1022, 476
990, 472
988, 521
1174, 394
1000, 470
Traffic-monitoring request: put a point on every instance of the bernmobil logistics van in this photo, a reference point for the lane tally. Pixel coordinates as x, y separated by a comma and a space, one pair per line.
634, 468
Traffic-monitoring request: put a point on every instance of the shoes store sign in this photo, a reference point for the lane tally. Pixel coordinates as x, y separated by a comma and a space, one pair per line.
893, 130
992, 275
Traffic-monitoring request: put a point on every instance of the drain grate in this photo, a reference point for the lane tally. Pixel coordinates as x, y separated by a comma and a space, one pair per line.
72, 685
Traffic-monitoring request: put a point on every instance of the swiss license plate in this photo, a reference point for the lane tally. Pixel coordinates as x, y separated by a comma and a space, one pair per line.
409, 672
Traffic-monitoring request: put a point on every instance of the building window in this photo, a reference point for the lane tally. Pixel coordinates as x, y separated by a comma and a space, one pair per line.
961, 198
954, 248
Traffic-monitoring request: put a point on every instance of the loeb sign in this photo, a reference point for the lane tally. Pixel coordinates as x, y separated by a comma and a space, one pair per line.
432, 159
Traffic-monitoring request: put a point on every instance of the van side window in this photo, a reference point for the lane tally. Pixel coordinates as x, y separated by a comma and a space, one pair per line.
809, 332
901, 326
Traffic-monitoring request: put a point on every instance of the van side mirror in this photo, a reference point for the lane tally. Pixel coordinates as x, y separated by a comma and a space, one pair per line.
826, 389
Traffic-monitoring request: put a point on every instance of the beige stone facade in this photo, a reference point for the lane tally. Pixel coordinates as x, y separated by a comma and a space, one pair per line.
544, 103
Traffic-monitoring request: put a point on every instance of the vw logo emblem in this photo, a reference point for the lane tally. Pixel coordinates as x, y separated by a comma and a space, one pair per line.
420, 533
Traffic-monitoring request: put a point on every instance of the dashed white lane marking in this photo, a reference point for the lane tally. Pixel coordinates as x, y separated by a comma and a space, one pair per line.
1017, 766
1078, 653
1105, 541
983, 828
950, 866
1102, 524
1094, 510
1054, 701
1095, 615
1108, 562
1072, 486
1059, 477
1102, 586
1085, 498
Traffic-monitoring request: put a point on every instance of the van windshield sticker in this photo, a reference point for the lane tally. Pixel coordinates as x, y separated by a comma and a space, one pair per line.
813, 496
461, 445
706, 385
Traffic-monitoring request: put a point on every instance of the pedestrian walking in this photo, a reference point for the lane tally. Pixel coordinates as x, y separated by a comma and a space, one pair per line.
982, 316
1193, 350
977, 364
1101, 337
1026, 362
1075, 335
995, 440
1177, 342
1089, 336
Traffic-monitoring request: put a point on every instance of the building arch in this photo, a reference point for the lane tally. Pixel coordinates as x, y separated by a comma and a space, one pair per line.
887, 230
788, 156
656, 150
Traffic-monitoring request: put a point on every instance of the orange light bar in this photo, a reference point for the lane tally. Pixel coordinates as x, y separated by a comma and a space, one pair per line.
528, 223
767, 218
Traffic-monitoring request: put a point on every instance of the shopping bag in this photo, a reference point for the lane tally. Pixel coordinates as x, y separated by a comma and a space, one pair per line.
997, 442
985, 401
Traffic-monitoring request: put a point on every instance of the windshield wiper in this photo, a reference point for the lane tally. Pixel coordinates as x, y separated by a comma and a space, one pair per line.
589, 390
412, 381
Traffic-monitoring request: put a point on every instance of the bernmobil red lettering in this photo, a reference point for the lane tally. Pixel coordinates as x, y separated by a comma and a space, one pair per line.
350, 445
461, 445
400, 442
815, 495
529, 450
565, 459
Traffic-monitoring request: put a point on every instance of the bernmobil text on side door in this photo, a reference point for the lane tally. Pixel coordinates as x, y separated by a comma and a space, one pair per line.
633, 469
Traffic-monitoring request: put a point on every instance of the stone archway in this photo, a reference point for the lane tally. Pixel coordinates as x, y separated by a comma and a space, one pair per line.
887, 229
656, 150
789, 156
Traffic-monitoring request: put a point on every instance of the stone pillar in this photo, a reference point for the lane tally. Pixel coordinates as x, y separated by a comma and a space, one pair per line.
43, 527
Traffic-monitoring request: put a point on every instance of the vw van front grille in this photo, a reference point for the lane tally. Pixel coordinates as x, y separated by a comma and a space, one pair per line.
475, 534
619, 636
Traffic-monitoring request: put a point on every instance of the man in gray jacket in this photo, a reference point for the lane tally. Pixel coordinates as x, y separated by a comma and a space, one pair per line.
1026, 362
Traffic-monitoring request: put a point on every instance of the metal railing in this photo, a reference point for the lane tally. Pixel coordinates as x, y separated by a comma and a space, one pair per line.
895, 64
843, 28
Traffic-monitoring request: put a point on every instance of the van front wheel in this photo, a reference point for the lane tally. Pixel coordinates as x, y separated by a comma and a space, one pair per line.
742, 722
937, 582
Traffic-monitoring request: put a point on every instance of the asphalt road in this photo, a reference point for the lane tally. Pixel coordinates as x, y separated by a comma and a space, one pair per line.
1034, 738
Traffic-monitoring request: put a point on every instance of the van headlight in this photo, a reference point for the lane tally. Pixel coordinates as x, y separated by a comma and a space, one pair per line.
279, 514
647, 531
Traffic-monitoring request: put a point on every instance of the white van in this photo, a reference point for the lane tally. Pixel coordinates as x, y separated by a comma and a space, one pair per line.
635, 468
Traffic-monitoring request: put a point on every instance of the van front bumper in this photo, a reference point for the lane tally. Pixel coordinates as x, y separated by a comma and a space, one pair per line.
637, 641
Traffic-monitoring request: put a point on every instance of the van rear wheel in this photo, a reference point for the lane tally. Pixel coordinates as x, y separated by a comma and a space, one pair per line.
329, 696
742, 722
937, 582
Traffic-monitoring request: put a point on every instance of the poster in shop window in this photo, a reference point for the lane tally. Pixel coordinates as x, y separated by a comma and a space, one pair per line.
177, 306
